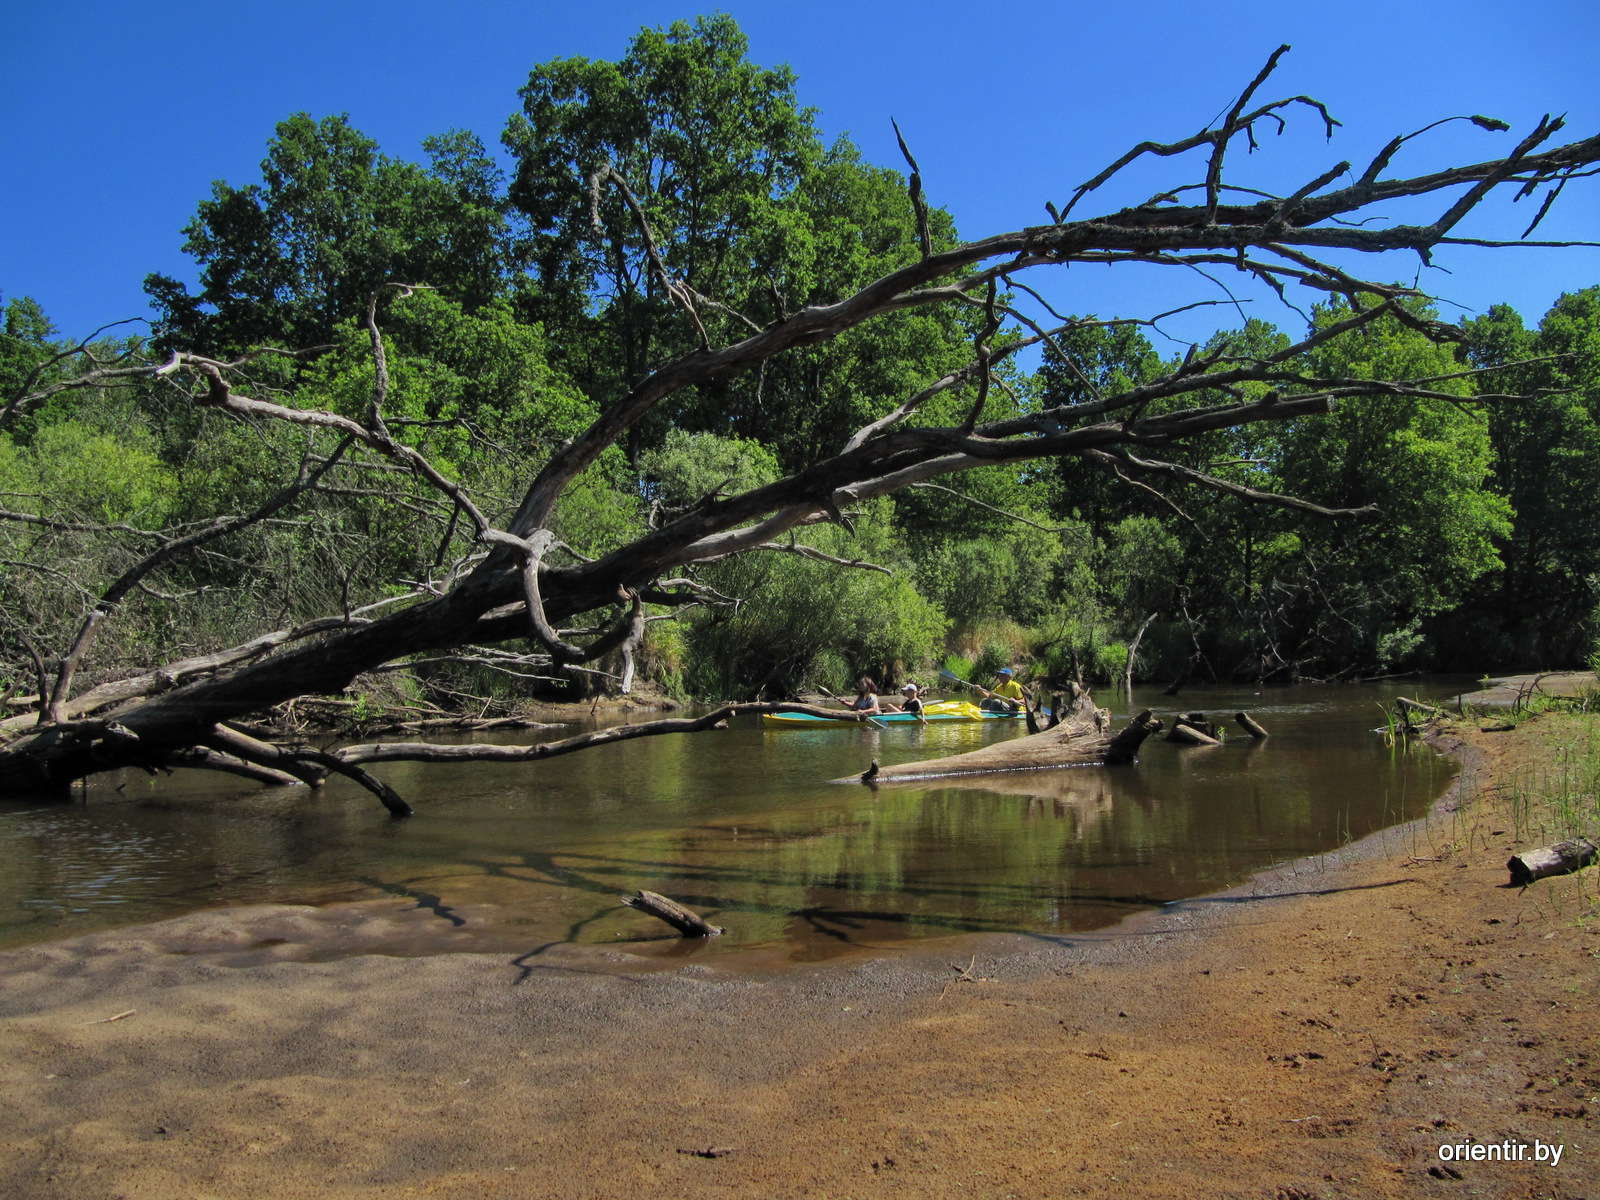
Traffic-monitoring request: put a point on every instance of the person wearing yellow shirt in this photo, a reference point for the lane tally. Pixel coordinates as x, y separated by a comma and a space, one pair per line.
1006, 696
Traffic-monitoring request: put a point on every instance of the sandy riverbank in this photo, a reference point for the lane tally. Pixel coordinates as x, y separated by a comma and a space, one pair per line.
1317, 1032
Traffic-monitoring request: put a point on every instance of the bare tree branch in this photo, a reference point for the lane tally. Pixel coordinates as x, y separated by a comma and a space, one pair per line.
1010, 516
1190, 475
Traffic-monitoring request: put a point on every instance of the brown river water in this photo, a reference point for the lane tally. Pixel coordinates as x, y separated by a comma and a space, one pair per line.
741, 825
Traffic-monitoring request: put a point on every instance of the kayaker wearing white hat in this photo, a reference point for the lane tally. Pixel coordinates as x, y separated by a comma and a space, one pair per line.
1006, 695
912, 702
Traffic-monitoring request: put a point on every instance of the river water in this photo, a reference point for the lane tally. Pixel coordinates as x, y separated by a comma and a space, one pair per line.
741, 825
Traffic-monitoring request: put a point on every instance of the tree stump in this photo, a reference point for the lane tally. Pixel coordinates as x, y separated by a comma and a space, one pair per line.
689, 924
1124, 748
1561, 859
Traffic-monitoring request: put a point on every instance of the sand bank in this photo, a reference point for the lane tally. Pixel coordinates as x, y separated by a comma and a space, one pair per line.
1317, 1032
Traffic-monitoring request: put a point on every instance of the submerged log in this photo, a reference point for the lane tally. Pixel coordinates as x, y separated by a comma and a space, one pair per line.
1561, 859
1196, 721
689, 924
1190, 735
1082, 738
1249, 725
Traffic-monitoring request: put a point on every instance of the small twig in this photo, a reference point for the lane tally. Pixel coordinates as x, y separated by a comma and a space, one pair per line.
108, 1020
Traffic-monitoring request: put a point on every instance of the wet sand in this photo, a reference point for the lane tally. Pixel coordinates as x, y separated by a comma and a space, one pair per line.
1318, 1032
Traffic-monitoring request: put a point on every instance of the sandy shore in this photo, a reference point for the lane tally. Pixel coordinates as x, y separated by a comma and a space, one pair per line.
1319, 1032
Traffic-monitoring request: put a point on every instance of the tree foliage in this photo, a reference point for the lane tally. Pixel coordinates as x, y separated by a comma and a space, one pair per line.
286, 260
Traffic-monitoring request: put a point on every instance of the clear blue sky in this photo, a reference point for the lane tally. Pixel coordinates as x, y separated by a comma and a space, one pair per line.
119, 115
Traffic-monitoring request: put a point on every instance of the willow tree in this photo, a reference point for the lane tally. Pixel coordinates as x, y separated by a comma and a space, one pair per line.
523, 582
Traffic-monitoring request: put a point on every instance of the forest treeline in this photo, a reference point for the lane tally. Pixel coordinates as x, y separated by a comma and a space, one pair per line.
537, 301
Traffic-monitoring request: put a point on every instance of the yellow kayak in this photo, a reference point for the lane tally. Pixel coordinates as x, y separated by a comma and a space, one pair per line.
943, 710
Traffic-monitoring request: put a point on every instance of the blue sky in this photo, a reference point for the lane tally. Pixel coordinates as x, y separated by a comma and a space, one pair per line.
119, 115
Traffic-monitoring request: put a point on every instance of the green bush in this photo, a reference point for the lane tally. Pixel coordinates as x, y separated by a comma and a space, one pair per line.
991, 658
960, 667
793, 610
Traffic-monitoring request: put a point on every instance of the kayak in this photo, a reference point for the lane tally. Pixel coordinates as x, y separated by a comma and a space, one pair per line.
943, 710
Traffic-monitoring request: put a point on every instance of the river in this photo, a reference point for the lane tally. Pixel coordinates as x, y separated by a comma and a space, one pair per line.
741, 825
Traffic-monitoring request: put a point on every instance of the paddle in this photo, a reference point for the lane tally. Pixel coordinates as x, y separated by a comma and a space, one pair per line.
954, 678
873, 721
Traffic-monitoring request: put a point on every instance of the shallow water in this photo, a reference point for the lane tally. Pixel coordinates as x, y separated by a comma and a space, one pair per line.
742, 826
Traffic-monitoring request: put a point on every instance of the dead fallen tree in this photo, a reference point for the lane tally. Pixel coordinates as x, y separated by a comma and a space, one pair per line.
1188, 735
1082, 738
518, 581
1414, 713
1193, 729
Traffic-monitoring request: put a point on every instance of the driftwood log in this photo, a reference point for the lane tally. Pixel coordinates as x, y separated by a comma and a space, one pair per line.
1190, 735
1561, 859
689, 924
1250, 725
1082, 738
1192, 728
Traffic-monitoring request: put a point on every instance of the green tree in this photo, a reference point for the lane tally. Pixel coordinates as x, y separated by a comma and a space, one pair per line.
750, 214
25, 344
285, 260
1546, 449
1424, 462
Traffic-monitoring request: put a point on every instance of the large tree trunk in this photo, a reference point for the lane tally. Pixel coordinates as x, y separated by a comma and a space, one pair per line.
45, 760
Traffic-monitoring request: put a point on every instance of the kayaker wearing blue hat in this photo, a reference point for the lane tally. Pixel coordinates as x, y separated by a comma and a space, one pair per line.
1006, 696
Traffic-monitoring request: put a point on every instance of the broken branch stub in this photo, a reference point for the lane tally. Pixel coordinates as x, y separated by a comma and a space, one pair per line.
1250, 725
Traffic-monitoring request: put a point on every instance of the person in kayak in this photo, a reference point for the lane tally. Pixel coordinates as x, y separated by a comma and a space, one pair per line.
912, 702
1006, 695
866, 700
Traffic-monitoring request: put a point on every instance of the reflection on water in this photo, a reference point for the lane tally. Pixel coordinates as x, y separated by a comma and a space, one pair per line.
740, 825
